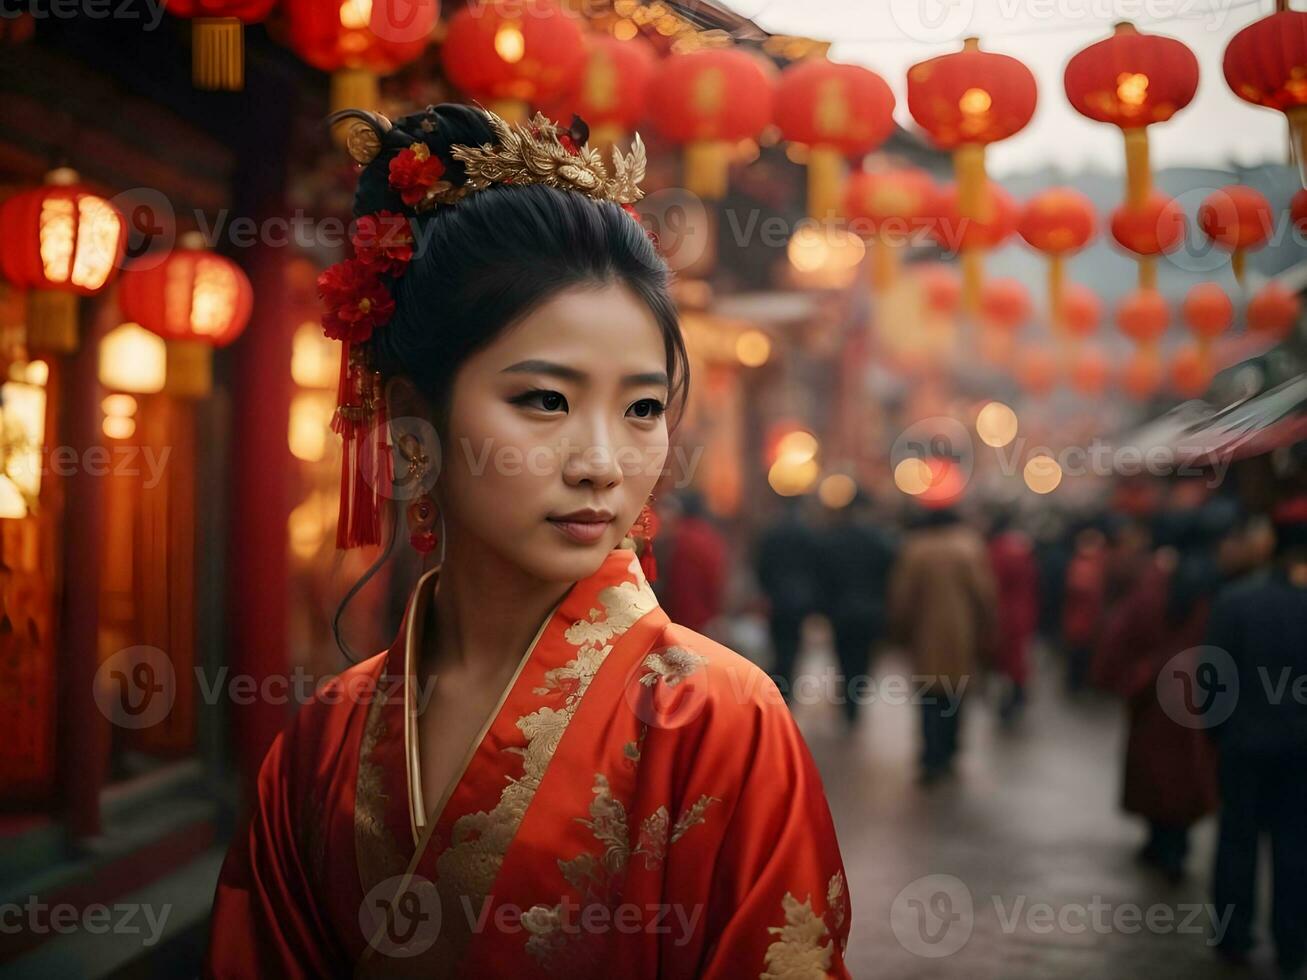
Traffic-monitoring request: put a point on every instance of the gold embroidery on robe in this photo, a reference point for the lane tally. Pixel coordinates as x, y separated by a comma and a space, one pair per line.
377, 851
799, 952
671, 666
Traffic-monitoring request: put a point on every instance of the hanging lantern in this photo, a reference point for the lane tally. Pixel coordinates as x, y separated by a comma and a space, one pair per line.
1144, 317
939, 286
1090, 371
1191, 372
884, 206
1266, 64
196, 300
970, 238
1208, 313
708, 100
513, 56
1237, 218
132, 359
1058, 222
61, 241
1142, 374
357, 41
1005, 305
611, 91
1273, 310
1036, 370
1132, 80
838, 112
217, 38
1082, 311
1148, 230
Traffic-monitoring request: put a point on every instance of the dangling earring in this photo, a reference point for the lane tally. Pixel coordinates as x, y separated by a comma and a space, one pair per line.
422, 512
642, 534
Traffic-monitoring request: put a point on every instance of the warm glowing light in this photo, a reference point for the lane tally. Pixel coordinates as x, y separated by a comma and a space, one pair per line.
975, 102
510, 44
24, 428
996, 425
307, 526
753, 348
313, 361
789, 477
57, 232
213, 296
797, 446
36, 373
310, 421
355, 14
122, 406
12, 504
912, 476
624, 30
837, 490
1132, 88
133, 359
117, 427
814, 249
1042, 474
98, 228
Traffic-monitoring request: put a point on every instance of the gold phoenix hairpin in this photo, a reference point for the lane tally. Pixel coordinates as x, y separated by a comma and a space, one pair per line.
527, 153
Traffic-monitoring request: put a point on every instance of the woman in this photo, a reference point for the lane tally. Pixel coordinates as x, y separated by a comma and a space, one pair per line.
543, 774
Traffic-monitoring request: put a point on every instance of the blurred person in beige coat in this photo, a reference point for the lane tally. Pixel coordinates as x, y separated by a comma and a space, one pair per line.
943, 610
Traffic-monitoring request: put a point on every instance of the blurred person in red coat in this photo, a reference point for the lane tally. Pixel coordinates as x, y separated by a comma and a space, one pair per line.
1012, 557
1082, 605
692, 563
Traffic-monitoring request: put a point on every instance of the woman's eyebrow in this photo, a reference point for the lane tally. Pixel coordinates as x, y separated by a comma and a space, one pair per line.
572, 374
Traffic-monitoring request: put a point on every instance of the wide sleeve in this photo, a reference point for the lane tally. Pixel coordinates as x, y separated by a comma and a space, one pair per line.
779, 897
265, 921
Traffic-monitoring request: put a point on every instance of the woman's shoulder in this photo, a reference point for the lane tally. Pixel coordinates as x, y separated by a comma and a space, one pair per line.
328, 710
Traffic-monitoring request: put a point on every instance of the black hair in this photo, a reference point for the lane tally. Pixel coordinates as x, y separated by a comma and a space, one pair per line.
484, 262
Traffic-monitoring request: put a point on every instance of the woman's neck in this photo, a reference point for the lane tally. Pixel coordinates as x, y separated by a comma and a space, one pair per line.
485, 611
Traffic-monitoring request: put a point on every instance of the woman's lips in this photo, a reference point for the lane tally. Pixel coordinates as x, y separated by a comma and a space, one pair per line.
586, 532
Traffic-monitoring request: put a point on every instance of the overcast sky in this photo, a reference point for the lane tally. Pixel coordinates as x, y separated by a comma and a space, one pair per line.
887, 36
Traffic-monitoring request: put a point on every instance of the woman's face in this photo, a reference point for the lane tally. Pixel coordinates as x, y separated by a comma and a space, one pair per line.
563, 412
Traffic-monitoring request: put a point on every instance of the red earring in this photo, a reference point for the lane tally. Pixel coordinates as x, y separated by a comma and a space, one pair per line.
643, 531
421, 524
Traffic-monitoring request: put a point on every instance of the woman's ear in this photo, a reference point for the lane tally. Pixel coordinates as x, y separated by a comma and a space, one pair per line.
403, 400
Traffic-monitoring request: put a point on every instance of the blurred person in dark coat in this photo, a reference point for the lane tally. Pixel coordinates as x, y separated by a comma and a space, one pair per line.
1151, 636
785, 561
943, 607
1259, 627
692, 564
852, 576
1016, 575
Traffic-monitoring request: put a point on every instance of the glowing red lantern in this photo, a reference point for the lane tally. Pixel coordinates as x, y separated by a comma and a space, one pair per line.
939, 285
513, 55
1082, 310
837, 111
358, 40
612, 90
885, 206
61, 241
1143, 316
970, 237
1142, 374
1273, 310
196, 300
1090, 371
1207, 311
1191, 371
1237, 218
1036, 370
1148, 230
708, 100
217, 38
1132, 80
1004, 304
1058, 222
1264, 64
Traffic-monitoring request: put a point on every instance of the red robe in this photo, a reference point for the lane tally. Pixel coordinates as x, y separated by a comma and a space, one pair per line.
696, 574
1017, 578
641, 804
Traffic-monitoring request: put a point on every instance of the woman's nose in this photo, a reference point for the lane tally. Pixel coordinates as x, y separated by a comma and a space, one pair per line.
593, 459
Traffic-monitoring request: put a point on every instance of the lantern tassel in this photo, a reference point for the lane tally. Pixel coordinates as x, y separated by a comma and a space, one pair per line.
352, 88
190, 369
825, 171
973, 279
1138, 178
51, 321
969, 165
217, 53
707, 164
1056, 290
884, 263
365, 472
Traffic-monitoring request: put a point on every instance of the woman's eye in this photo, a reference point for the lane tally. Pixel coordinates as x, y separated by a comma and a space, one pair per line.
549, 401
648, 408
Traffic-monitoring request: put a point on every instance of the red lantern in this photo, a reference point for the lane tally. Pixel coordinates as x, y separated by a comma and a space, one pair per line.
1090, 371
196, 300
940, 286
1237, 218
1005, 304
837, 111
1273, 310
1264, 64
1207, 311
1142, 374
971, 237
708, 100
1148, 230
1058, 222
1132, 80
1143, 316
217, 38
1036, 370
612, 90
1191, 371
61, 241
513, 55
358, 40
1081, 310
885, 206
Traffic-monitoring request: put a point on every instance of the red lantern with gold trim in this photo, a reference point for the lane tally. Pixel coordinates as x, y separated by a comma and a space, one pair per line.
708, 100
1273, 311
1266, 64
1058, 222
61, 241
837, 111
1237, 218
217, 38
885, 207
196, 300
1132, 80
1148, 230
512, 55
611, 91
359, 40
